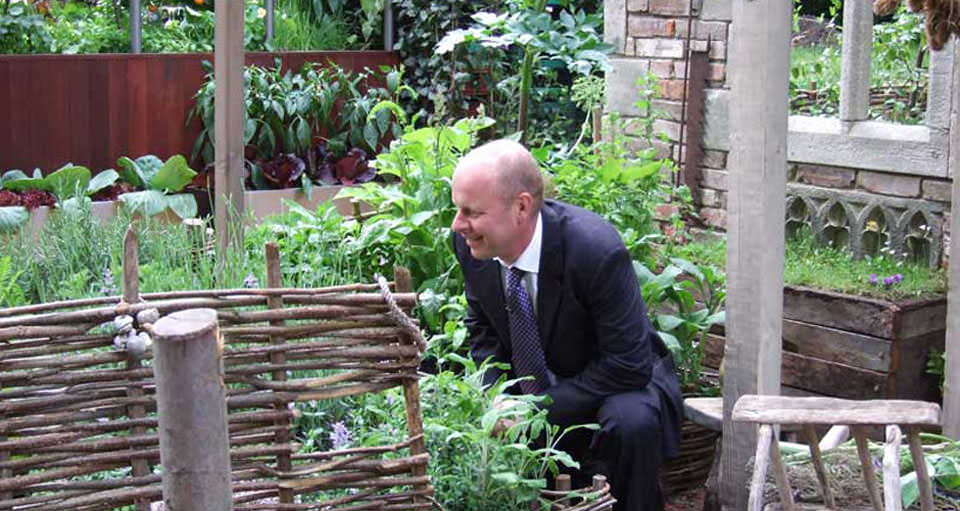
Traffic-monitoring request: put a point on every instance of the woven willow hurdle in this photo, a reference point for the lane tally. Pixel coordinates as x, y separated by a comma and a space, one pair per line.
78, 416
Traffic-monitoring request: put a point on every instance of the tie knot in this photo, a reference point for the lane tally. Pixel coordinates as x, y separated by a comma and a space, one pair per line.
514, 277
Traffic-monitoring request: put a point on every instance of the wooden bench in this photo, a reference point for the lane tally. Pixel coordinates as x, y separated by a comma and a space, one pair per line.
808, 412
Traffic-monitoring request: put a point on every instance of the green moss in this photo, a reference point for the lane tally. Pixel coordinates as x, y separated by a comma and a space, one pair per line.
833, 269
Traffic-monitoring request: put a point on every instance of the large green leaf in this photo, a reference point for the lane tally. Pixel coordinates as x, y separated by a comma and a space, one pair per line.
68, 181
149, 165
12, 218
19, 185
102, 180
183, 204
173, 175
131, 172
146, 202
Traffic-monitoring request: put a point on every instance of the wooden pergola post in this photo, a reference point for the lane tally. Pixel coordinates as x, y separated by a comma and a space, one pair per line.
229, 115
951, 387
760, 64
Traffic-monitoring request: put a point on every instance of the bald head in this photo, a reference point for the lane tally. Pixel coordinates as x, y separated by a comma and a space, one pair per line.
514, 169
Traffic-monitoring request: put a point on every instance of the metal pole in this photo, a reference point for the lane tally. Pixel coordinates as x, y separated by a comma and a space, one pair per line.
192, 411
135, 29
269, 7
388, 25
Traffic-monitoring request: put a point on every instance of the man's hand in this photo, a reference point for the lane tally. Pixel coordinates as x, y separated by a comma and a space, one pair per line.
502, 403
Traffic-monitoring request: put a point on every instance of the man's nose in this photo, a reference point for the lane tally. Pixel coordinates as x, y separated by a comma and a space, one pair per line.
458, 223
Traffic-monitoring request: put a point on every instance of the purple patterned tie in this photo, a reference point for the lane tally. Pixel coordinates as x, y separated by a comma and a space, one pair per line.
528, 357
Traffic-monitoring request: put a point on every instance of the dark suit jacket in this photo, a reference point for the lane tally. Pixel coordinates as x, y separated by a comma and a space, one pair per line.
593, 325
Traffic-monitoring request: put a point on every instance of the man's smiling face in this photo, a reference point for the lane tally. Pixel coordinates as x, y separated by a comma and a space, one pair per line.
487, 221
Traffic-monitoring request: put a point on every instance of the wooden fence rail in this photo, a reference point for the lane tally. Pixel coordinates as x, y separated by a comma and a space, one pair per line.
78, 414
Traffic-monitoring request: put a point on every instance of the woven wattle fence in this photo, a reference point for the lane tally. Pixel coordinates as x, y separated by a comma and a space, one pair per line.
78, 424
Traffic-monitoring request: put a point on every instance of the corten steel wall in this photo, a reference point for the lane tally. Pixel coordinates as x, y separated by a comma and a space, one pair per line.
92, 109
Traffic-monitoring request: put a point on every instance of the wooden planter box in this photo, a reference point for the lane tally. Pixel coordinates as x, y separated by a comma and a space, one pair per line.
854, 347
261, 203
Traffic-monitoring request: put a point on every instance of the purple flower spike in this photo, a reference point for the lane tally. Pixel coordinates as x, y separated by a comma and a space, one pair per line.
888, 281
897, 278
340, 436
873, 278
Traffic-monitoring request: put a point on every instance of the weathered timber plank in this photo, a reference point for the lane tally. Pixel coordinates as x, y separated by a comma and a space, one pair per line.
865, 315
825, 410
910, 379
836, 345
813, 374
919, 318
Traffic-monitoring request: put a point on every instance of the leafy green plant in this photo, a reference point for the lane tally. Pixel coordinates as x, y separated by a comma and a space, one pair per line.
161, 181
11, 295
292, 113
683, 302
23, 31
413, 215
69, 183
571, 39
807, 263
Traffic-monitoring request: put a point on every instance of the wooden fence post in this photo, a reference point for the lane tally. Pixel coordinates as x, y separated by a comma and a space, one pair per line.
411, 393
192, 411
131, 294
275, 280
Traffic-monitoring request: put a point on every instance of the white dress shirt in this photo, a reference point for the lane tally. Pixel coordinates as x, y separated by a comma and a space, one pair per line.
529, 262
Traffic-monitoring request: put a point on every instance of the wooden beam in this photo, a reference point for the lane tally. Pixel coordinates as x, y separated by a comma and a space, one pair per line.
760, 69
951, 387
228, 123
855, 60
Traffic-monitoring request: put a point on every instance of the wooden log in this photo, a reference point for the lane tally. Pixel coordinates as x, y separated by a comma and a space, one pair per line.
359, 450
813, 410
358, 480
51, 347
30, 332
411, 389
891, 470
920, 465
312, 295
762, 458
866, 465
298, 313
780, 475
71, 362
131, 294
315, 329
811, 435
951, 382
194, 442
312, 383
275, 280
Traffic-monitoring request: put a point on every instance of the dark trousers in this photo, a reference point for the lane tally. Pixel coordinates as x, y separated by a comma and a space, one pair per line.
626, 449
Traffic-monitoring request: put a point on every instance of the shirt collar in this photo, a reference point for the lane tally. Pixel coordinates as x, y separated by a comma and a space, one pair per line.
529, 260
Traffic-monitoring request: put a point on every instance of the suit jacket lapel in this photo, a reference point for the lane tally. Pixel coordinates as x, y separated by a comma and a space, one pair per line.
550, 276
489, 285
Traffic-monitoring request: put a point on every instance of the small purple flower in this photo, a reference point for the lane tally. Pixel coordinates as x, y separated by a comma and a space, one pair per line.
340, 436
888, 281
873, 278
897, 278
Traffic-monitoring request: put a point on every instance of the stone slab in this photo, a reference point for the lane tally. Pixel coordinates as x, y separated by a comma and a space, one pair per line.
622, 84
935, 189
615, 24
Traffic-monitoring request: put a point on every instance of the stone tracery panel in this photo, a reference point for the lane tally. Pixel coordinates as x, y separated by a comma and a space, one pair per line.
867, 224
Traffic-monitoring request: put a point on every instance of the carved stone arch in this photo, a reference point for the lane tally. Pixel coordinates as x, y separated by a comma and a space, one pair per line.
920, 234
836, 220
800, 212
873, 230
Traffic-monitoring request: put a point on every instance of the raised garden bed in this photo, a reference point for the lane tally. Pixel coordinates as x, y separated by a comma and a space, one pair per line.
854, 347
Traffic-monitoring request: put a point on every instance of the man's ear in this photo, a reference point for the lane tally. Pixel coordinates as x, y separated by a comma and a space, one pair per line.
524, 206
